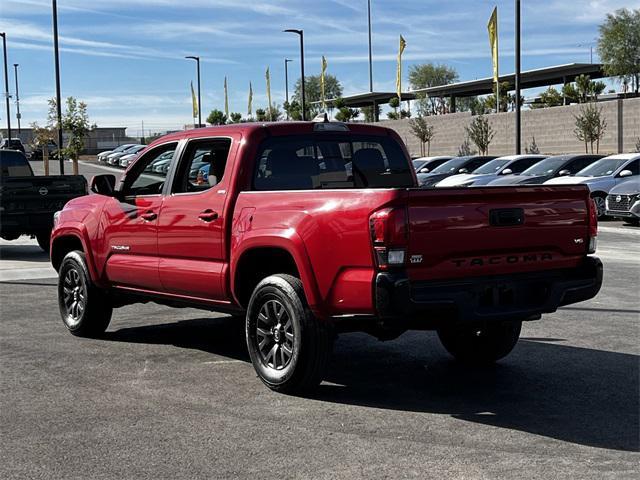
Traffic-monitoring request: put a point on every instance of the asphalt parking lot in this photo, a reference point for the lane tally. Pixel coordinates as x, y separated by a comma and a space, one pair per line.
171, 394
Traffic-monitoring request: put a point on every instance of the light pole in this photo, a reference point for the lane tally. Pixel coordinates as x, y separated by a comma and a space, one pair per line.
590, 45
517, 78
286, 83
15, 66
301, 34
370, 56
6, 86
56, 56
197, 59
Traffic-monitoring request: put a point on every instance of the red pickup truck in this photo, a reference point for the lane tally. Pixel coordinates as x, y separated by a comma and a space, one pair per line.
305, 230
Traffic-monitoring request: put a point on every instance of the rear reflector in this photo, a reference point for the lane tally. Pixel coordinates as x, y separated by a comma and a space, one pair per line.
593, 226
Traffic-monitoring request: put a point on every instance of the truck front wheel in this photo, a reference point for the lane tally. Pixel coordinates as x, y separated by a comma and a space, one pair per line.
84, 308
480, 344
288, 346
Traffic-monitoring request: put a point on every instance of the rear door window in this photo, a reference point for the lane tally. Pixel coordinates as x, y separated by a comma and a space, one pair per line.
14, 164
320, 162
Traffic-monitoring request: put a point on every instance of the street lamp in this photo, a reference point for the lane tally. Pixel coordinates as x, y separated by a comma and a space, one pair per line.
15, 66
370, 56
301, 34
6, 86
517, 78
286, 83
197, 59
56, 56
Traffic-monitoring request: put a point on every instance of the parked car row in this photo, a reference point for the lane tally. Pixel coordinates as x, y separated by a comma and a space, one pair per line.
121, 156
601, 174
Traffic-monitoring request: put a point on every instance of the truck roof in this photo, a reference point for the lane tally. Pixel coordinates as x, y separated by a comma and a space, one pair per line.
274, 128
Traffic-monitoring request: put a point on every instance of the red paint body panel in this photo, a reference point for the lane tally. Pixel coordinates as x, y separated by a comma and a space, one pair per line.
326, 232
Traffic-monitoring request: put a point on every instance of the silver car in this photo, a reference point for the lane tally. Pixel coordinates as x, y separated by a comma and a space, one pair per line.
602, 176
623, 201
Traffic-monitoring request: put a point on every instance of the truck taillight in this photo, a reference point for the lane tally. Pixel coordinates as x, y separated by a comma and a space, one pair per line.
593, 226
388, 228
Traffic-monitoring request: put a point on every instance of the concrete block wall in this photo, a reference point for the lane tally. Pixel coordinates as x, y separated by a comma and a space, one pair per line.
553, 129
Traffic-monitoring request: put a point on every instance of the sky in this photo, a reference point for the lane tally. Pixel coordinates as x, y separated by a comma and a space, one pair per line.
125, 58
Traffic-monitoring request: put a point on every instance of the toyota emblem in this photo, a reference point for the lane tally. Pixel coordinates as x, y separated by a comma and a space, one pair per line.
619, 198
43, 190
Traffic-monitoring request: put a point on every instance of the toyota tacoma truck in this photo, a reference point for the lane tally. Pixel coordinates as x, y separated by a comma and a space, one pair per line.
305, 230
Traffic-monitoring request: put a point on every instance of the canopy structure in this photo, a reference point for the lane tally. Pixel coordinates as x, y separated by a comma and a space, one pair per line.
540, 77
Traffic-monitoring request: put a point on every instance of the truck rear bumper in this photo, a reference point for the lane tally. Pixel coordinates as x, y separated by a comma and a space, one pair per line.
523, 296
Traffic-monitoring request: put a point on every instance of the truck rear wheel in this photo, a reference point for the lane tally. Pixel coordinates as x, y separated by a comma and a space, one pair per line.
288, 346
84, 308
480, 344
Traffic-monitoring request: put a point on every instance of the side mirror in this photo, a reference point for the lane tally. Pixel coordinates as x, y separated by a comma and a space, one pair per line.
507, 171
103, 184
463, 170
564, 173
424, 170
625, 173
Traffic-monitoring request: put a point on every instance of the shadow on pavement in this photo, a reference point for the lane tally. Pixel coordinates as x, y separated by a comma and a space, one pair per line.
578, 395
24, 253
219, 335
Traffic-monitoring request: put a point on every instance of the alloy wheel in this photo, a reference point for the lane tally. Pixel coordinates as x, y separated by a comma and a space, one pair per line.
74, 296
275, 335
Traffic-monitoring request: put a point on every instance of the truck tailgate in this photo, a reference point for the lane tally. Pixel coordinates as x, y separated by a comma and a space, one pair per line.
464, 232
40, 194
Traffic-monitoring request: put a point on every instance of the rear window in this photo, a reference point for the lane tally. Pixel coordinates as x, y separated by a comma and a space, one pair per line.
320, 161
14, 164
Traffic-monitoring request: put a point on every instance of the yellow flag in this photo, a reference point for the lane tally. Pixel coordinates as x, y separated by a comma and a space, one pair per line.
401, 48
268, 76
226, 99
324, 69
492, 27
250, 106
194, 102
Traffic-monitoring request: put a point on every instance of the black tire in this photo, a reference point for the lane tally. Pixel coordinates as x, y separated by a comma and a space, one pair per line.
44, 240
294, 359
600, 200
480, 344
84, 308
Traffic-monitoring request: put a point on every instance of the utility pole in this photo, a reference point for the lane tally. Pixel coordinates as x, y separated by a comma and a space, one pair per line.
15, 66
6, 87
301, 34
56, 56
197, 59
517, 78
370, 55
286, 82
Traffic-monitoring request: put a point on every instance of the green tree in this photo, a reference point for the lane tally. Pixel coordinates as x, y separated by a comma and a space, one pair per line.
424, 132
465, 149
294, 110
549, 98
345, 114
431, 75
394, 102
75, 122
590, 126
312, 92
619, 45
480, 133
273, 113
217, 117
236, 117
368, 113
583, 90
261, 115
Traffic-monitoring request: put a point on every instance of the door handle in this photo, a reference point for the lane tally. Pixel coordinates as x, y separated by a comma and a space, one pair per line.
149, 216
208, 215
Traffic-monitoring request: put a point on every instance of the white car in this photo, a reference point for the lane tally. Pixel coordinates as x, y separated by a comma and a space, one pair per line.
509, 165
130, 154
602, 176
102, 156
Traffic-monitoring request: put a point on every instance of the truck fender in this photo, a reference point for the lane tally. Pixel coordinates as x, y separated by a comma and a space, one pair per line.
79, 231
288, 241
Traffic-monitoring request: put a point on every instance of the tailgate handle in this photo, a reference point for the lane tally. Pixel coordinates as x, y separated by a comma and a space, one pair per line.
506, 217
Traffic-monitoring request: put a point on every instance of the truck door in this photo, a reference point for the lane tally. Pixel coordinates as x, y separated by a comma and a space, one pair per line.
191, 241
131, 224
